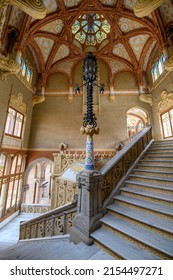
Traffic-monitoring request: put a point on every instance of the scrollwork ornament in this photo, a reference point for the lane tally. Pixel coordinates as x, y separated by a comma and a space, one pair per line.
34, 8
7, 67
143, 8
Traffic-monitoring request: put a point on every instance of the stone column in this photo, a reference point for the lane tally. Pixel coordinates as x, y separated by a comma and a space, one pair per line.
89, 206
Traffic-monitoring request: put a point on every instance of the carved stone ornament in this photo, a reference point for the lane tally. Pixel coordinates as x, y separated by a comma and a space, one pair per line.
169, 64
166, 101
143, 8
7, 67
34, 8
36, 99
146, 97
18, 103
89, 130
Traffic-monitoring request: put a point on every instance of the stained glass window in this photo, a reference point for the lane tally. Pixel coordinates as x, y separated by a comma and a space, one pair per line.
26, 71
91, 29
158, 68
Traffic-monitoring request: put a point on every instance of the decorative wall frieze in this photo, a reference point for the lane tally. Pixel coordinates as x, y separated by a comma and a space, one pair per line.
169, 64
34, 8
7, 67
146, 97
16, 101
166, 101
145, 7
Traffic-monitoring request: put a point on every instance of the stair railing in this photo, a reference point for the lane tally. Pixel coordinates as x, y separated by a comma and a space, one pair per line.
116, 170
55, 222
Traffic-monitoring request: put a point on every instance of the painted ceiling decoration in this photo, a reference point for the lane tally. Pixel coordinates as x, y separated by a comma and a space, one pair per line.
91, 29
71, 28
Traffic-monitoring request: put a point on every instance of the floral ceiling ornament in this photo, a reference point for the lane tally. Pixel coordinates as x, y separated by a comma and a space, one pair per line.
143, 8
34, 8
91, 29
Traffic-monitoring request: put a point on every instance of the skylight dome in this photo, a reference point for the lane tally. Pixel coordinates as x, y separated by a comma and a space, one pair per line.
91, 29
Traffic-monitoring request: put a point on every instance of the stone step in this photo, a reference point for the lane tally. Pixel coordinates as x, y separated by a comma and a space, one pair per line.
159, 153
157, 162
155, 167
148, 195
154, 173
53, 250
121, 247
157, 157
151, 179
141, 205
160, 224
162, 142
149, 187
161, 149
161, 245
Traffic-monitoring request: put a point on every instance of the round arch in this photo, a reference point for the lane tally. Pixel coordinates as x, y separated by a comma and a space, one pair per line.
137, 118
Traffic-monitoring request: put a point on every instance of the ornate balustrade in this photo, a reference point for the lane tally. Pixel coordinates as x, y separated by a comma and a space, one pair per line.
114, 170
55, 222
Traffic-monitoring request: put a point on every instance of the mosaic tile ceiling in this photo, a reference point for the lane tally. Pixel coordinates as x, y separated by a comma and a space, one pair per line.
108, 28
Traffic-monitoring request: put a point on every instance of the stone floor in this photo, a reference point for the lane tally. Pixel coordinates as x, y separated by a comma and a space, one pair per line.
9, 234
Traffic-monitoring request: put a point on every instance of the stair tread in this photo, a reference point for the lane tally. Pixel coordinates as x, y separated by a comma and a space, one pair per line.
154, 171
152, 178
147, 237
152, 160
156, 165
164, 209
146, 218
149, 185
121, 247
159, 196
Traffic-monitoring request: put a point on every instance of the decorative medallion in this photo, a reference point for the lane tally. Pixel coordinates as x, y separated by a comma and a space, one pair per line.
71, 3
51, 6
108, 2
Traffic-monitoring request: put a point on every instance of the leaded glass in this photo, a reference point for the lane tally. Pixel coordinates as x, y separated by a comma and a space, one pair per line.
91, 29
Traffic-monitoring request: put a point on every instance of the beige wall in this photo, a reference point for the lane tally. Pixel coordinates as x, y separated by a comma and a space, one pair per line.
55, 121
13, 86
125, 80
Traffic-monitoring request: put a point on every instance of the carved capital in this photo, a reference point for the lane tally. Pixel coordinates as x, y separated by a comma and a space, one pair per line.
7, 67
143, 8
146, 97
169, 64
89, 130
36, 99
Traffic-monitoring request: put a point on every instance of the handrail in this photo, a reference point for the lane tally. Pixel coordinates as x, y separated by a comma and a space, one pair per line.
116, 168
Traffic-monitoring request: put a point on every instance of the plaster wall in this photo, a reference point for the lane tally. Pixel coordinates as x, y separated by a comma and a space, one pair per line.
55, 121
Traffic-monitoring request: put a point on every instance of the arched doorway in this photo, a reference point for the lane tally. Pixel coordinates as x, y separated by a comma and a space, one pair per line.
137, 119
37, 187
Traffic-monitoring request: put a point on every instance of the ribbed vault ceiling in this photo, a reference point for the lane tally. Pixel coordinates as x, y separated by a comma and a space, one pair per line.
127, 47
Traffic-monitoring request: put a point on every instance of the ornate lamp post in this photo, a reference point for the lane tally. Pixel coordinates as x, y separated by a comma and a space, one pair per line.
89, 122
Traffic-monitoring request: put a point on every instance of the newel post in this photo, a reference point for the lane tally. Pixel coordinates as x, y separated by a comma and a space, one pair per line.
89, 206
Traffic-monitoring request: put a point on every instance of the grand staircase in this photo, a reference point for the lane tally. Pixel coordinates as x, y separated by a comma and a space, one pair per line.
139, 224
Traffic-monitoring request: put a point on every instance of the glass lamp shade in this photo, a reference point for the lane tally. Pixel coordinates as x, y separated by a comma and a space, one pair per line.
90, 68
